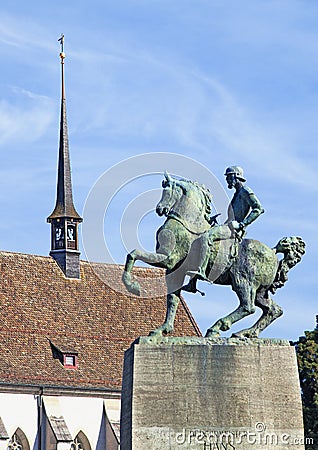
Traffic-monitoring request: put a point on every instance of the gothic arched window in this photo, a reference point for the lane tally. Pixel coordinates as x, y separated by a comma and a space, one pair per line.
18, 441
81, 442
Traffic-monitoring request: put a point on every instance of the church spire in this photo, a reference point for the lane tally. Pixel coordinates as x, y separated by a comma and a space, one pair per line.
64, 219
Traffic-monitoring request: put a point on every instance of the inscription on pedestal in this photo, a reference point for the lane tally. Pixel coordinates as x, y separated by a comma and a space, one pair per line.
224, 394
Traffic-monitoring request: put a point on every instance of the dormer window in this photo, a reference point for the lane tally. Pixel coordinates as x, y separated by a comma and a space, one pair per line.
70, 361
67, 356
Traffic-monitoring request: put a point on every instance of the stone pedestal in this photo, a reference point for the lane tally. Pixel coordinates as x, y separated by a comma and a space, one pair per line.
211, 394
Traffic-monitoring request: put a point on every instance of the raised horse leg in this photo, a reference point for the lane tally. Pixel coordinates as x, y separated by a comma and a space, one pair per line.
246, 296
154, 259
271, 311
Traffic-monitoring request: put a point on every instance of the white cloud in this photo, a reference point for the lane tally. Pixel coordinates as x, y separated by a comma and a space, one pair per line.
26, 118
237, 128
19, 32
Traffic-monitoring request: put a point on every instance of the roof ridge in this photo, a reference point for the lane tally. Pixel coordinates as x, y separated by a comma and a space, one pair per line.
82, 261
189, 314
8, 252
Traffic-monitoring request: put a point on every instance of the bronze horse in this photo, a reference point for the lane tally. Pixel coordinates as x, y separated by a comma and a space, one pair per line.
250, 267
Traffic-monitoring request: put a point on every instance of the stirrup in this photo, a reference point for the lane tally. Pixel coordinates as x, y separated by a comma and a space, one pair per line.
191, 287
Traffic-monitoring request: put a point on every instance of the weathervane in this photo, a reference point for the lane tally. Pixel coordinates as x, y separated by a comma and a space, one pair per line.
61, 41
62, 56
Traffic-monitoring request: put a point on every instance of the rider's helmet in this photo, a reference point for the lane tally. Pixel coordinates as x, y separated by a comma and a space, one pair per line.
236, 170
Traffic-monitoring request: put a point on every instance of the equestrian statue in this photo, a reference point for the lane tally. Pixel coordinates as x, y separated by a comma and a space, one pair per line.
192, 243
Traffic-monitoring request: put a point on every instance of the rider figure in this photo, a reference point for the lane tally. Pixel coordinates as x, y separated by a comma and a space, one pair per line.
243, 210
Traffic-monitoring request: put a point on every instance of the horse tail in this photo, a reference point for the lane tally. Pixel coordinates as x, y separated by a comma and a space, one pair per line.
293, 249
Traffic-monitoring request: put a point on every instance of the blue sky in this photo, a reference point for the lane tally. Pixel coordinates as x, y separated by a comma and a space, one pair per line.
221, 82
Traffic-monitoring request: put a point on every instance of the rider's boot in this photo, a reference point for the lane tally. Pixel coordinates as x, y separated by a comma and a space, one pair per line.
191, 286
200, 274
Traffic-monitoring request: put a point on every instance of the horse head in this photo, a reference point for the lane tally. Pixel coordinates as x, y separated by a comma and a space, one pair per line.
170, 195
187, 201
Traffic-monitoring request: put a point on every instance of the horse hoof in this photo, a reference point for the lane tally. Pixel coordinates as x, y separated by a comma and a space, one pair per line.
155, 333
134, 288
161, 331
245, 334
237, 335
212, 334
225, 325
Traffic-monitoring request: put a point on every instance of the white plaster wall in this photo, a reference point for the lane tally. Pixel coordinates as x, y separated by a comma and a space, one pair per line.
112, 407
63, 446
80, 414
83, 414
19, 410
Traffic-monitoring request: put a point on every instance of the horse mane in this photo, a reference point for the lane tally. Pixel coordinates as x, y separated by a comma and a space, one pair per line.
206, 194
293, 249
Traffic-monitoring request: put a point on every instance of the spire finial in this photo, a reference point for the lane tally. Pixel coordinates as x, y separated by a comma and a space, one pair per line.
62, 56
61, 41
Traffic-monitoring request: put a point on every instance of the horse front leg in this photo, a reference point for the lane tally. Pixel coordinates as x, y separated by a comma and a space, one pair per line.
132, 286
167, 326
155, 259
174, 281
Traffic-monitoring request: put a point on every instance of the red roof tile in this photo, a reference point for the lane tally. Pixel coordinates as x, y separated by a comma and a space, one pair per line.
94, 317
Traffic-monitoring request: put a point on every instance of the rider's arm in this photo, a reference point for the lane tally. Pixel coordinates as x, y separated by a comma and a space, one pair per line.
256, 208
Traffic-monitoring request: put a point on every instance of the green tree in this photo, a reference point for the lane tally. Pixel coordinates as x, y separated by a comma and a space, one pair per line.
307, 355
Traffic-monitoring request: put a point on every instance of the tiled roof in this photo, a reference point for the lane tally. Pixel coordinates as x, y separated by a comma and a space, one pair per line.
60, 429
94, 317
